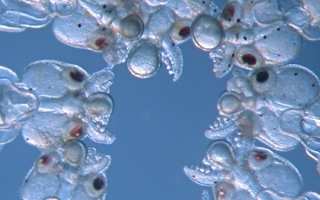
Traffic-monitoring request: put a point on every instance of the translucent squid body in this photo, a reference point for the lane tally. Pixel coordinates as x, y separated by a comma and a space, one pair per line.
247, 34
17, 15
277, 105
301, 15
142, 33
17, 104
145, 34
72, 172
253, 173
72, 104
247, 172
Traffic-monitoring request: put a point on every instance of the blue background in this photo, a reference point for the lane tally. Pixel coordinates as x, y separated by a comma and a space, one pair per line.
159, 124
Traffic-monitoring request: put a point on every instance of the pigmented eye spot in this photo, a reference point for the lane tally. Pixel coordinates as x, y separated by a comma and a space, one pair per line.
45, 159
185, 31
76, 76
98, 183
101, 43
76, 132
264, 79
228, 12
260, 155
262, 76
249, 59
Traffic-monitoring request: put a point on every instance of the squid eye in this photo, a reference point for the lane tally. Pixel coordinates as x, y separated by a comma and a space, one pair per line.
180, 31
248, 57
44, 160
185, 31
76, 76
47, 163
224, 191
76, 132
259, 159
263, 79
74, 129
96, 185
228, 12
262, 76
231, 14
73, 77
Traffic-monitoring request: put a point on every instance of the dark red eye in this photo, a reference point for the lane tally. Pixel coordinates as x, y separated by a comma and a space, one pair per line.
249, 59
262, 76
76, 75
101, 43
77, 131
228, 12
260, 155
45, 159
98, 183
185, 31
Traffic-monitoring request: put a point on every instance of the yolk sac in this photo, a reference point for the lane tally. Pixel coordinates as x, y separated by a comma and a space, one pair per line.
262, 76
99, 105
76, 132
249, 59
74, 152
144, 60
206, 32
221, 154
229, 104
132, 27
